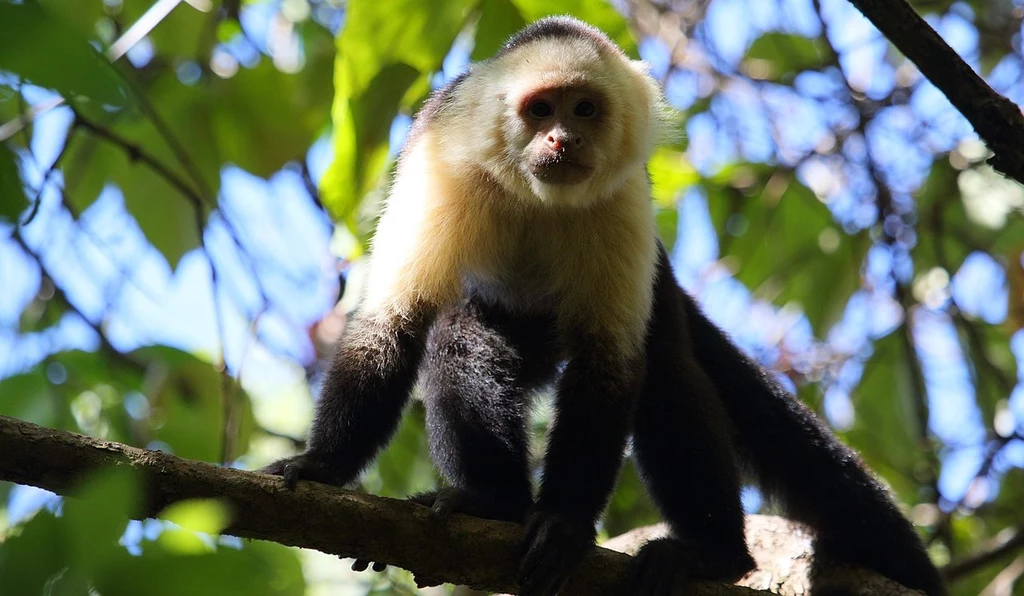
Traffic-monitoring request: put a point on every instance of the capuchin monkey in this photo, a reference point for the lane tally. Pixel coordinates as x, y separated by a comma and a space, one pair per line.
517, 249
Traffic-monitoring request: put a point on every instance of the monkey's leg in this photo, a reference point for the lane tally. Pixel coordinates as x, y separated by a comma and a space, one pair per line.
682, 442
361, 400
594, 404
481, 364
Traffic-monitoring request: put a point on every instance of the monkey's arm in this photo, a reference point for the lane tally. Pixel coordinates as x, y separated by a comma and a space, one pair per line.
361, 401
413, 273
594, 406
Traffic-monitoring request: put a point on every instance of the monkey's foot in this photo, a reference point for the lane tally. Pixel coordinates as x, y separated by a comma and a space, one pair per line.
666, 565
445, 501
554, 545
308, 466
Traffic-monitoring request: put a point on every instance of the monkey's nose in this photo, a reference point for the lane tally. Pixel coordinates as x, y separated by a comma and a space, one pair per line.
561, 141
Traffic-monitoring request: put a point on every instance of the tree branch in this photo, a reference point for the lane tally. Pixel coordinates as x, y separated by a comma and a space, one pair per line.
462, 550
996, 119
1005, 543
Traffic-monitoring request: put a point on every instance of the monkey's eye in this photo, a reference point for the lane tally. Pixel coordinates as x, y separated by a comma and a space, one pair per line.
540, 109
585, 109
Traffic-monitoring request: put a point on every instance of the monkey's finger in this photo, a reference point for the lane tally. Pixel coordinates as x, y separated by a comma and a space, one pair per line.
442, 502
443, 506
360, 565
426, 499
540, 572
291, 475
378, 566
274, 469
423, 581
541, 576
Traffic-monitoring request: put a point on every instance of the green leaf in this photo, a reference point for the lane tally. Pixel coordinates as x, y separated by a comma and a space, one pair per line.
83, 16
166, 214
79, 551
207, 516
12, 194
47, 52
187, 397
939, 212
259, 119
499, 20
184, 33
96, 518
30, 396
884, 431
667, 221
193, 517
199, 515
774, 56
992, 351
361, 128
34, 555
948, 231
786, 245
282, 567
404, 467
221, 573
43, 311
383, 50
630, 505
671, 173
265, 118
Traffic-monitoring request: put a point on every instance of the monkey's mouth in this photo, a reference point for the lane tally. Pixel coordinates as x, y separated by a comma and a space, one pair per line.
560, 171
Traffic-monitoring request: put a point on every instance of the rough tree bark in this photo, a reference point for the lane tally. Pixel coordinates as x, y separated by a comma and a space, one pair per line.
462, 550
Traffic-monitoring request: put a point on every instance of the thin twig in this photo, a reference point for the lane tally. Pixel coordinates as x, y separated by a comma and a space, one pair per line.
137, 153
996, 119
46, 178
1006, 542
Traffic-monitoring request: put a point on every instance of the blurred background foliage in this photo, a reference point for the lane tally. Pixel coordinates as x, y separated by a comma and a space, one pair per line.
170, 274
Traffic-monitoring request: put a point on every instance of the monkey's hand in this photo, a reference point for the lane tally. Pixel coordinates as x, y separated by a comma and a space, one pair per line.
554, 544
308, 466
666, 566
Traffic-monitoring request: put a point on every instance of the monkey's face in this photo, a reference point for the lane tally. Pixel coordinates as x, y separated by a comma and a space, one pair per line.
567, 121
563, 127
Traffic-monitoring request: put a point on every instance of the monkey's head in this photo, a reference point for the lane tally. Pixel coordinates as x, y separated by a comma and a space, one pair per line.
567, 118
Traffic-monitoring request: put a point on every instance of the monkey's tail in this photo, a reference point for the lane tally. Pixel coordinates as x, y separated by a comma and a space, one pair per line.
798, 461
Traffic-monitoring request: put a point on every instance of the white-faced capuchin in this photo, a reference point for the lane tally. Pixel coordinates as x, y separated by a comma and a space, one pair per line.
517, 250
